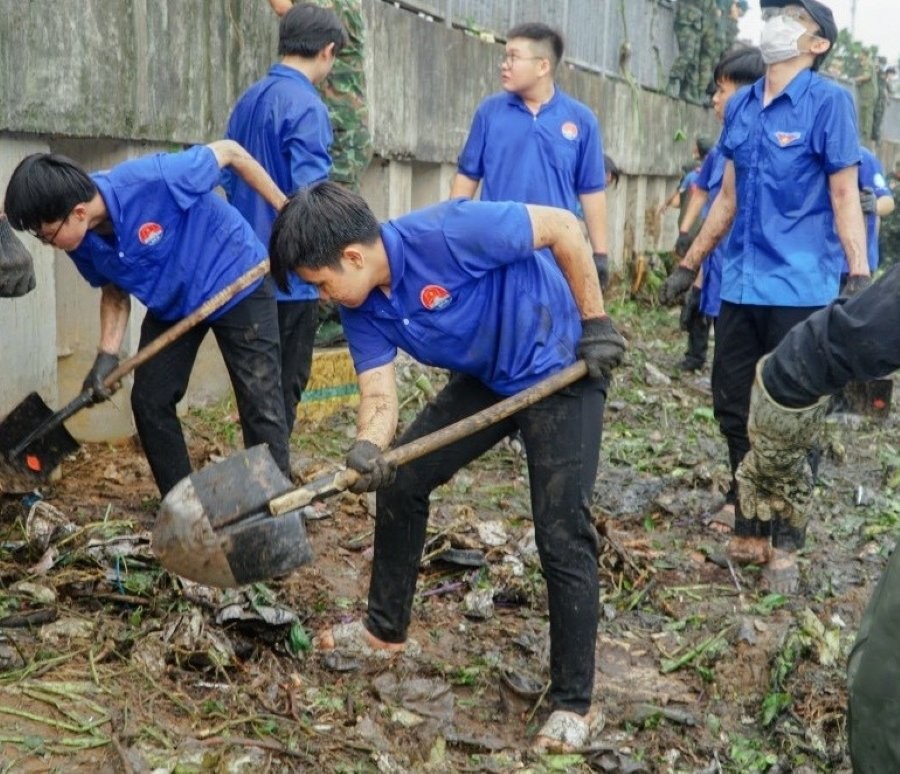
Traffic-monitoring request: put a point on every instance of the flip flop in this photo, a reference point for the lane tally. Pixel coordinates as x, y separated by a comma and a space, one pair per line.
781, 574
565, 731
721, 520
352, 640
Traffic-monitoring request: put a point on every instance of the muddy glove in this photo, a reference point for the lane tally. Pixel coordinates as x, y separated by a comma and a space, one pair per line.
104, 365
374, 471
601, 346
16, 264
601, 261
774, 479
679, 281
690, 308
856, 283
682, 244
868, 201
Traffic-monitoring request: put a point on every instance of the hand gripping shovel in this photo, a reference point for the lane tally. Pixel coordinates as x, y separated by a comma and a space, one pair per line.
238, 521
33, 440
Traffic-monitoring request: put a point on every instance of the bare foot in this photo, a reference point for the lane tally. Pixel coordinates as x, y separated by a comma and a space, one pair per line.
749, 550
566, 731
781, 575
721, 521
355, 638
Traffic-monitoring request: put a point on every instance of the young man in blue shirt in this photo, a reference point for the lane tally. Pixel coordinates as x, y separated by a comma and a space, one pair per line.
790, 189
469, 286
534, 143
876, 201
284, 125
154, 229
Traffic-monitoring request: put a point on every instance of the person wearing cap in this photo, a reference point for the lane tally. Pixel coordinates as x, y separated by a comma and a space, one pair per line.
790, 197
533, 143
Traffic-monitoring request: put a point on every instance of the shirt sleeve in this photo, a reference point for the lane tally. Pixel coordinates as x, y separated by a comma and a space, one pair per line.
590, 176
190, 174
86, 268
703, 177
482, 236
839, 135
308, 140
871, 175
368, 346
471, 159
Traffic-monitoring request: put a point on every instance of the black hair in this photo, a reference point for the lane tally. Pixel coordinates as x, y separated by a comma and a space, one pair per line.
44, 188
743, 65
704, 146
540, 33
306, 29
315, 226
612, 170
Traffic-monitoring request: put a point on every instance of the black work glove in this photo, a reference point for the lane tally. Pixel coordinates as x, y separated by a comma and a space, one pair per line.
856, 283
677, 283
601, 346
375, 472
868, 201
601, 261
16, 264
682, 244
104, 365
690, 308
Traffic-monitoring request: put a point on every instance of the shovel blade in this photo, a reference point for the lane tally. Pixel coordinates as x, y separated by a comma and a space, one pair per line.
214, 526
35, 463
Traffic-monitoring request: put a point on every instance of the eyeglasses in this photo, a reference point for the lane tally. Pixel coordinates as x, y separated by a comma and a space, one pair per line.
797, 14
510, 59
49, 240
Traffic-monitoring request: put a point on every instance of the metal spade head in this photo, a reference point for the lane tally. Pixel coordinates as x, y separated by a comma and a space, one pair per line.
214, 527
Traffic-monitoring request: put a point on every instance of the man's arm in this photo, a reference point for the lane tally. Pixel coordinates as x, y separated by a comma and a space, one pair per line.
884, 205
559, 230
228, 153
594, 207
376, 421
281, 7
717, 223
115, 306
693, 210
843, 186
463, 185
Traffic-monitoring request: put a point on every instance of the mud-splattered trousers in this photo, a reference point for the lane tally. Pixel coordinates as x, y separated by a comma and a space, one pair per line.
857, 339
247, 335
562, 437
297, 323
744, 333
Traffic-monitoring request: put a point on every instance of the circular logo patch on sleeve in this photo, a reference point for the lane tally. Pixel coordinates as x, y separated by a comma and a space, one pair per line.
150, 233
434, 297
569, 130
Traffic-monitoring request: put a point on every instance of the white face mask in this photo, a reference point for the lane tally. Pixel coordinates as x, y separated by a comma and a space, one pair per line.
779, 38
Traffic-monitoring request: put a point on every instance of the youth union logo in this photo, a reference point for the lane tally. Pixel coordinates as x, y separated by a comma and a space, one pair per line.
434, 297
150, 233
786, 138
569, 130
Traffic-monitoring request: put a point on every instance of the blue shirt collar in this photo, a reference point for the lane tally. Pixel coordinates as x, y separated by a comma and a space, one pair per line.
283, 71
794, 91
515, 99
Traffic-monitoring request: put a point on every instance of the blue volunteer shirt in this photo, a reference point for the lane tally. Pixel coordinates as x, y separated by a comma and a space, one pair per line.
175, 242
710, 180
468, 293
284, 125
871, 175
783, 249
550, 158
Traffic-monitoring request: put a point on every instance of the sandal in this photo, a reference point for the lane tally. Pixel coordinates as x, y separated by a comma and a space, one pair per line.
565, 731
721, 520
781, 575
354, 640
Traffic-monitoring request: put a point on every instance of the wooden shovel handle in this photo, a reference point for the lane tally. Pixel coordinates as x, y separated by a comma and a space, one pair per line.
345, 478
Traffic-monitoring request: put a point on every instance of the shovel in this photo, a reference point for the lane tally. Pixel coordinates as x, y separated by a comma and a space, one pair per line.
32, 438
238, 521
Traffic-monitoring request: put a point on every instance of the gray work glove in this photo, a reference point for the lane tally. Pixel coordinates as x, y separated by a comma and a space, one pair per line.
690, 308
16, 264
682, 244
774, 479
374, 471
104, 365
868, 201
601, 346
856, 283
601, 261
678, 282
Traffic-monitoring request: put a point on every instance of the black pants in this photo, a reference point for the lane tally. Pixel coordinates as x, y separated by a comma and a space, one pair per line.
297, 323
562, 438
247, 335
744, 333
698, 342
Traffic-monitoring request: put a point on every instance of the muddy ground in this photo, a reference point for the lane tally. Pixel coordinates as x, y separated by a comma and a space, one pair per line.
108, 663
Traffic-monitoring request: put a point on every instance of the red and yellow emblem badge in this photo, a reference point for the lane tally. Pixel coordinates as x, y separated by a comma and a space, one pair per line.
150, 233
434, 297
569, 130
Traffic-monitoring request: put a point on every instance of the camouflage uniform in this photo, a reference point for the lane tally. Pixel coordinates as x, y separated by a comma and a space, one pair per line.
867, 94
688, 30
880, 103
344, 92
